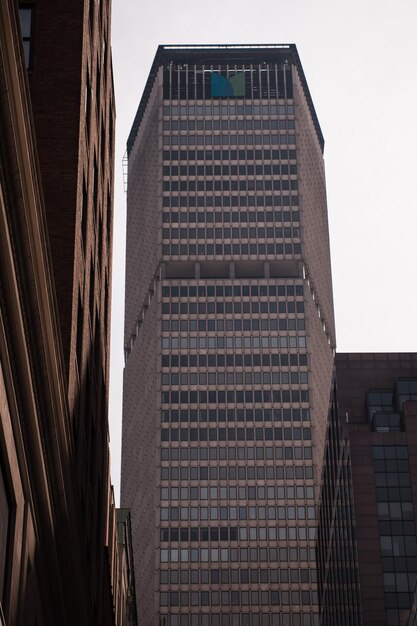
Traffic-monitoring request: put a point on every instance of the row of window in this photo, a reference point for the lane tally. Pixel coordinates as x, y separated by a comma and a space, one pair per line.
202, 379
261, 139
225, 513
207, 232
241, 576
240, 472
233, 342
186, 379
237, 598
235, 415
399, 564
240, 619
235, 434
199, 533
394, 494
236, 217
233, 360
392, 465
397, 545
240, 453
238, 533
223, 155
395, 616
245, 169
217, 247
236, 324
233, 291
236, 555
398, 600
389, 453
220, 307
235, 250
235, 396
395, 511
238, 201
275, 184
400, 581
228, 124
399, 527
207, 110
392, 479
244, 492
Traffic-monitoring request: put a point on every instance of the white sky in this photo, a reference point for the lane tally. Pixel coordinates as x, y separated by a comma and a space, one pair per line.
360, 61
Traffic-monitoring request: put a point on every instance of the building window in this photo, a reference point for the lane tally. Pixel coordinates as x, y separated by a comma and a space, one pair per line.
26, 20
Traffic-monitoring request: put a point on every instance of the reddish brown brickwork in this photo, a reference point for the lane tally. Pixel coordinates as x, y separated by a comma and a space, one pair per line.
65, 555
370, 492
71, 86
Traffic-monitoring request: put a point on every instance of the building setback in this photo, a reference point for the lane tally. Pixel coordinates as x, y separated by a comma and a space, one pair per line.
367, 540
229, 338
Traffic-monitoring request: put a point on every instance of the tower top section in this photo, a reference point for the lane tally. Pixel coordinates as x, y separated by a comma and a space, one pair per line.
224, 71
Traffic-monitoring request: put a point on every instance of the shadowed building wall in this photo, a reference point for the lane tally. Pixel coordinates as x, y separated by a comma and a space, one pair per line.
60, 562
71, 88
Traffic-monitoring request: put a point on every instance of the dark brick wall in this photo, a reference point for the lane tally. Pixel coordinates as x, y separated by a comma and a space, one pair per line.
356, 375
73, 109
55, 82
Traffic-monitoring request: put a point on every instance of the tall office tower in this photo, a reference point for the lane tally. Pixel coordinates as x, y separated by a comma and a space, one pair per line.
367, 535
229, 337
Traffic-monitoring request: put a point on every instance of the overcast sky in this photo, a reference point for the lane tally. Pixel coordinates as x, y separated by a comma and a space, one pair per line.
360, 60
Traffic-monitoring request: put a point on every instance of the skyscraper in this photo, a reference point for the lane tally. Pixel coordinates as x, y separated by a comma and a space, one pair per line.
229, 338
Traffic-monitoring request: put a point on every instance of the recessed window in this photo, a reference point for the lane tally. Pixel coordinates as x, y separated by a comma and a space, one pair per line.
26, 19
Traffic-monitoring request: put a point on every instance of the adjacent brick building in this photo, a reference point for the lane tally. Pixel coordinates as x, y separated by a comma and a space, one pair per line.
368, 532
71, 86
60, 558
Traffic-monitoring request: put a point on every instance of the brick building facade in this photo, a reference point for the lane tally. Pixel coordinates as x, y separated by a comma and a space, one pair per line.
367, 541
60, 558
